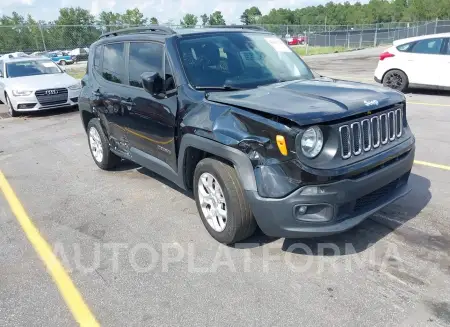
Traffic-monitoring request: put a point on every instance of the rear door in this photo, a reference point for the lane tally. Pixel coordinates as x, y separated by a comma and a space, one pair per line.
424, 62
110, 93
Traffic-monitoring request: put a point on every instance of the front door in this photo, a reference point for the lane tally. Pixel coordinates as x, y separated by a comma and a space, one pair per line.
445, 71
110, 91
151, 124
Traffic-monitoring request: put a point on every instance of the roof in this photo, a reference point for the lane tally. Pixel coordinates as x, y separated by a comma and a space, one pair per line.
187, 31
164, 31
423, 37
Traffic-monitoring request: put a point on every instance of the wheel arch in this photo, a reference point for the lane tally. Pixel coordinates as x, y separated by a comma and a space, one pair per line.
194, 148
86, 116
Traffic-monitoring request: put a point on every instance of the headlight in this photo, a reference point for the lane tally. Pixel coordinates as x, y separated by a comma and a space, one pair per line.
312, 142
21, 93
75, 86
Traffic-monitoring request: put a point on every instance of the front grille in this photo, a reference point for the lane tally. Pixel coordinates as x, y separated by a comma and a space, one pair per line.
51, 97
367, 134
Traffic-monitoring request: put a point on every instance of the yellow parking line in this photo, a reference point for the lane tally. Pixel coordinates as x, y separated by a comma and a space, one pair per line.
67, 289
429, 104
430, 164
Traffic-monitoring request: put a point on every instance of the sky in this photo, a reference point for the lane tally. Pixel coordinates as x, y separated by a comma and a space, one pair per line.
164, 10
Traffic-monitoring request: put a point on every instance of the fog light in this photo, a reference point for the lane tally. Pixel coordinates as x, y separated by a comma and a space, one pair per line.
302, 210
313, 212
26, 105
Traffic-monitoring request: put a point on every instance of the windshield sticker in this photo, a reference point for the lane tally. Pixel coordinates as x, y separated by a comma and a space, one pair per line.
277, 44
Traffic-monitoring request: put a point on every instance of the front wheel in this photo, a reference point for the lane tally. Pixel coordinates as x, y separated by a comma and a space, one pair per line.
62, 62
11, 111
396, 79
99, 146
221, 202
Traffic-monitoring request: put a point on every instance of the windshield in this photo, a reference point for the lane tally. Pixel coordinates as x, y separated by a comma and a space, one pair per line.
31, 68
241, 60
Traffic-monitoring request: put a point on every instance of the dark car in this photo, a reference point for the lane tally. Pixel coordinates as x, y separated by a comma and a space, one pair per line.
235, 116
79, 54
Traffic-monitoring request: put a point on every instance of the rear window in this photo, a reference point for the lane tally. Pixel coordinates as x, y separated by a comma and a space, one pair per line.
98, 58
405, 47
113, 66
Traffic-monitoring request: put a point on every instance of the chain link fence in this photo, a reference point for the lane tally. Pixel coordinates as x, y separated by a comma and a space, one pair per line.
39, 37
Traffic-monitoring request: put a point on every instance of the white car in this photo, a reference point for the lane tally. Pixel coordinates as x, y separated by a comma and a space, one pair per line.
418, 62
31, 84
13, 55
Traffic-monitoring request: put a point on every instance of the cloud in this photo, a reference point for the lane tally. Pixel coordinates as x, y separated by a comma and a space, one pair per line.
97, 6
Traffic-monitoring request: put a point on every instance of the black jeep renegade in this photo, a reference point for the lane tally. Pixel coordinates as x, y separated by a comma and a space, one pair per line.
238, 118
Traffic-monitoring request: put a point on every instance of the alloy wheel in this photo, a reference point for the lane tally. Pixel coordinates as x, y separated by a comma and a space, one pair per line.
212, 202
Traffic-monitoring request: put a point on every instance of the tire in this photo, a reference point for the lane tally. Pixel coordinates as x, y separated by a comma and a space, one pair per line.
62, 62
11, 111
103, 157
396, 79
240, 223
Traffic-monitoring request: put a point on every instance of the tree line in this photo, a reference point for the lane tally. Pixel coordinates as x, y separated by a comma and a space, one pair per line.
77, 27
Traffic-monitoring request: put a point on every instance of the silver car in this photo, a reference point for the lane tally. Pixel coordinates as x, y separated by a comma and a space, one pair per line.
31, 84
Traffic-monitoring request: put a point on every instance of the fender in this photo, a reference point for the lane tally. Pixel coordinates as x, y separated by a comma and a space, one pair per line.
240, 161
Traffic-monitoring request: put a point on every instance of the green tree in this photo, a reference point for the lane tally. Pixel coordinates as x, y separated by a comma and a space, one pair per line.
73, 28
189, 20
154, 21
134, 17
205, 19
251, 16
216, 18
109, 20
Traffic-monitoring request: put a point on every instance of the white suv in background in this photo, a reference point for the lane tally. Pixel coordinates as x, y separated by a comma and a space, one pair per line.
418, 62
31, 84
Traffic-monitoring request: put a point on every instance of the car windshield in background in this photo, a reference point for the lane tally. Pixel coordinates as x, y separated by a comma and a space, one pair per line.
31, 68
239, 60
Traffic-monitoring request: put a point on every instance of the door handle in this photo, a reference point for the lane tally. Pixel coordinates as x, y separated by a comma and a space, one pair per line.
128, 102
97, 93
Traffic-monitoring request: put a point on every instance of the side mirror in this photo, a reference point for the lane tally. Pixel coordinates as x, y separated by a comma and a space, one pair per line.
153, 83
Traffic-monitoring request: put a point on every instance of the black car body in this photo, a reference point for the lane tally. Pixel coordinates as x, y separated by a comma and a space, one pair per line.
167, 122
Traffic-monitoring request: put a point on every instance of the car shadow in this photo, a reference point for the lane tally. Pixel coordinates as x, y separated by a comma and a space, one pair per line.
49, 112
358, 239
427, 92
370, 231
164, 181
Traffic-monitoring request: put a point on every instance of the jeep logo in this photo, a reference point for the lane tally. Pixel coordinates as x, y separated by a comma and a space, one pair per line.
51, 92
371, 103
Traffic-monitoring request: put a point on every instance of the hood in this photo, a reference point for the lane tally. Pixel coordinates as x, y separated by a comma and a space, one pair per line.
38, 82
311, 101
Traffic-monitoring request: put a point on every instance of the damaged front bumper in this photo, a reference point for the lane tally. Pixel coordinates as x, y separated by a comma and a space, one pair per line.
330, 208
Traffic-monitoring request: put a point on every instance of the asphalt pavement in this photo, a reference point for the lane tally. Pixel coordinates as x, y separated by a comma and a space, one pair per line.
137, 252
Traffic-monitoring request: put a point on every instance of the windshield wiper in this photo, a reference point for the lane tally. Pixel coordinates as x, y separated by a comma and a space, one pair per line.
223, 88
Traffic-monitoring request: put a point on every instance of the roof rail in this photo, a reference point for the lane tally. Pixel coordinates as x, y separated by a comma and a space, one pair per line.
248, 27
157, 29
